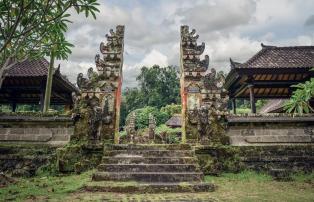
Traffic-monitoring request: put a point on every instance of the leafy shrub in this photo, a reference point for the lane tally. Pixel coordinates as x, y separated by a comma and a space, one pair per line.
300, 99
142, 115
171, 109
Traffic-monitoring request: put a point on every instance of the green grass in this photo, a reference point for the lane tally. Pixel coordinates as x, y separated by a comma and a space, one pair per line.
244, 186
244, 176
301, 177
44, 187
250, 186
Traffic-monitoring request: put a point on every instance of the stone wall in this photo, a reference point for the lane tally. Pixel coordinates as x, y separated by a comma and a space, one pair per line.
25, 159
270, 130
288, 158
35, 130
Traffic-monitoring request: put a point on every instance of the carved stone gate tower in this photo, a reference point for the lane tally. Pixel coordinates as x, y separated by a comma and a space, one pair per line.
100, 98
204, 100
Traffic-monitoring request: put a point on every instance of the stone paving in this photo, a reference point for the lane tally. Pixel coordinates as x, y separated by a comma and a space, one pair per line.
116, 197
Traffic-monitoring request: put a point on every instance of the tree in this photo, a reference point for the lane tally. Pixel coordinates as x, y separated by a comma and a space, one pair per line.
30, 28
160, 86
299, 102
36, 28
142, 115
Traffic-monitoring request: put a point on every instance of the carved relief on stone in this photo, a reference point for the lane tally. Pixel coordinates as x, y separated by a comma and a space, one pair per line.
108, 109
193, 101
191, 52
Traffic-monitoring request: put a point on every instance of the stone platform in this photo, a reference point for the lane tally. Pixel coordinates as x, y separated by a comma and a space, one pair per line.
149, 169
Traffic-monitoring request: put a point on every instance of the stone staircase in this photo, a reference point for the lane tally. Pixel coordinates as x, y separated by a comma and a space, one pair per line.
149, 168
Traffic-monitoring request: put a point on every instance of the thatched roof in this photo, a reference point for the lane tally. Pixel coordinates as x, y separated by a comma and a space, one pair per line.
174, 121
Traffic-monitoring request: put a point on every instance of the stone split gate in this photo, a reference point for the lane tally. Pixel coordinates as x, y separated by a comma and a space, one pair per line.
204, 100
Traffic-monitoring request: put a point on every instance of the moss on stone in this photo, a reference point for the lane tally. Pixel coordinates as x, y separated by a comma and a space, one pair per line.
216, 159
78, 158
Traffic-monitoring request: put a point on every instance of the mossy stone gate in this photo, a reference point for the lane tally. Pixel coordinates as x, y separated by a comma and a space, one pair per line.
204, 100
99, 101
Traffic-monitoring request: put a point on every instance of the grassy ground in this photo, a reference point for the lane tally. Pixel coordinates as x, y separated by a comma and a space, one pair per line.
246, 186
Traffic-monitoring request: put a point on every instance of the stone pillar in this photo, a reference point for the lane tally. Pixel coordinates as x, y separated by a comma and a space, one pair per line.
252, 99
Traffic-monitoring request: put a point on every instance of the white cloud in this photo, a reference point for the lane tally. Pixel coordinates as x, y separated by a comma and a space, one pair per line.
229, 28
153, 58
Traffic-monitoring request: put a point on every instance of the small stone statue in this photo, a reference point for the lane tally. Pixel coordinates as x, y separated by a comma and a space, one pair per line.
151, 126
76, 111
204, 121
95, 124
107, 116
130, 127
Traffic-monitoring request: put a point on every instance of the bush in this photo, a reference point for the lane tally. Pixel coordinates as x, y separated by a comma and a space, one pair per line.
171, 109
142, 115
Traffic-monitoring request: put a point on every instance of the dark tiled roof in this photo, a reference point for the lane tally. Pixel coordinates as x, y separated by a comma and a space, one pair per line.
174, 121
280, 57
273, 106
36, 68
29, 68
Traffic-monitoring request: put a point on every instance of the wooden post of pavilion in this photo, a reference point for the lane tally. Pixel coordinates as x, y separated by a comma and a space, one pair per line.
13, 106
252, 99
42, 95
234, 106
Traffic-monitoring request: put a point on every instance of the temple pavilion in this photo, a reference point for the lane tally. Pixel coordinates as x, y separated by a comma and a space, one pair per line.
270, 74
25, 83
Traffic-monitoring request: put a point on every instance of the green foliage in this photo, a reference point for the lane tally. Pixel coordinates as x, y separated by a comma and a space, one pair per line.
243, 110
260, 103
171, 109
5, 108
142, 115
30, 28
158, 87
165, 129
299, 102
170, 135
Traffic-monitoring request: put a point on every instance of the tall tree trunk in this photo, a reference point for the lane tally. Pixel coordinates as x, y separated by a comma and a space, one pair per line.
49, 82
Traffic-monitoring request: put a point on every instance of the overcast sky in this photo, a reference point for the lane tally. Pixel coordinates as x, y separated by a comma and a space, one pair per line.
229, 28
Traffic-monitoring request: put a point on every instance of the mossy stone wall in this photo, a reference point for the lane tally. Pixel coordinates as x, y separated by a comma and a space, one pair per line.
225, 158
78, 157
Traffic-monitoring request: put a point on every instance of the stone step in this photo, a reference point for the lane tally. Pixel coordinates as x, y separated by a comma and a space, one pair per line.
280, 174
148, 168
147, 147
148, 176
134, 187
149, 153
149, 160
275, 158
